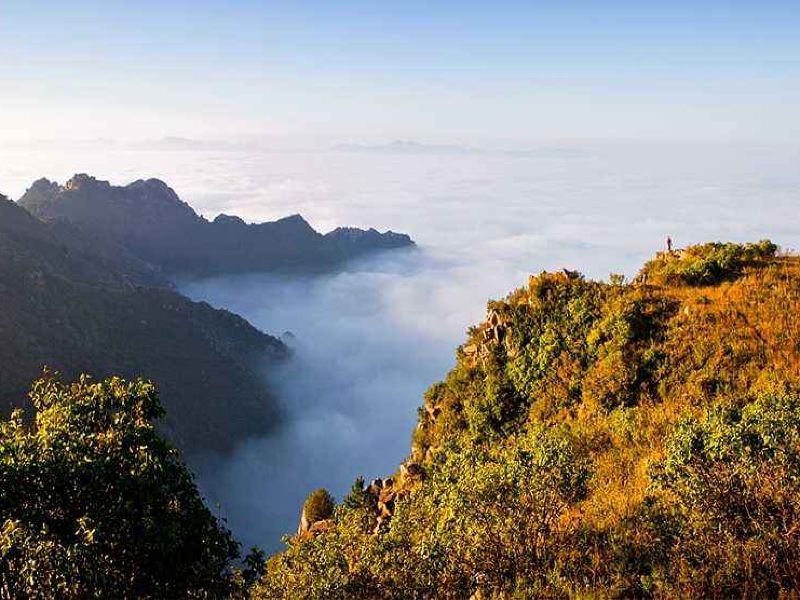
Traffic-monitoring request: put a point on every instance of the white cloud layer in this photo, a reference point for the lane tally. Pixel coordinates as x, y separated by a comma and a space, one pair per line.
371, 339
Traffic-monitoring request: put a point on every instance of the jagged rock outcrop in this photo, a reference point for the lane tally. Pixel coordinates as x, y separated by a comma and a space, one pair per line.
148, 219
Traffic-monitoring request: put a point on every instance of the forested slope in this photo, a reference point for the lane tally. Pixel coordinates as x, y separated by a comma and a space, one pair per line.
76, 304
594, 439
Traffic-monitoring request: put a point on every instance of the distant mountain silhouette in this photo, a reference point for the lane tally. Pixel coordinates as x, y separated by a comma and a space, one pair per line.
84, 287
148, 219
77, 303
408, 147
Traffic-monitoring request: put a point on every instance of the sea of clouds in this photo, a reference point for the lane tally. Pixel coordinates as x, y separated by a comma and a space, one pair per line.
369, 340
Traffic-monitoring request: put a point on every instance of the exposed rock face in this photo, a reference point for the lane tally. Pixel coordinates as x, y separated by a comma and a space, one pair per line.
412, 473
385, 503
384, 495
321, 526
304, 524
147, 218
308, 528
75, 303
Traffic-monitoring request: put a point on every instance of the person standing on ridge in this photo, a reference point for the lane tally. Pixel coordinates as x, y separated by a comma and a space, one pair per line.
669, 244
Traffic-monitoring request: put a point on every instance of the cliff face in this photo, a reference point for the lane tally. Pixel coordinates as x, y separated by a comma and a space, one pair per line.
609, 439
148, 219
75, 303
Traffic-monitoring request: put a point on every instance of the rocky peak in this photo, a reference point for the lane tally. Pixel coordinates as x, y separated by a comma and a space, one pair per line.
41, 193
83, 181
44, 185
156, 190
223, 219
371, 236
152, 185
295, 220
149, 219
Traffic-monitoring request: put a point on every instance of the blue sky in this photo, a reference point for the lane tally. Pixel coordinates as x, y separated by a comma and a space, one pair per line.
528, 71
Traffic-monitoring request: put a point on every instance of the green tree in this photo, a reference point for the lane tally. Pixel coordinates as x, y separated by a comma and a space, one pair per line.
318, 506
94, 503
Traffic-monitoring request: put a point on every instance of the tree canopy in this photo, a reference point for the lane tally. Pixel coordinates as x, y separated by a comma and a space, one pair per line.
595, 439
94, 503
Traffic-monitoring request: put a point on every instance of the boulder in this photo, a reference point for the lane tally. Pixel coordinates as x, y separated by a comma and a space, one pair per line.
304, 524
375, 486
432, 411
412, 472
321, 526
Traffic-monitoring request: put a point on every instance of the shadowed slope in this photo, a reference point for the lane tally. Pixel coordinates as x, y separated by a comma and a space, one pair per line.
77, 304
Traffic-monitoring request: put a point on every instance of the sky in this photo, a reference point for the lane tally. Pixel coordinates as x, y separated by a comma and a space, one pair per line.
444, 71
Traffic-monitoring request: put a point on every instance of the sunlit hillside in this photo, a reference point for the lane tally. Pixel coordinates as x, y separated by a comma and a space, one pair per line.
595, 438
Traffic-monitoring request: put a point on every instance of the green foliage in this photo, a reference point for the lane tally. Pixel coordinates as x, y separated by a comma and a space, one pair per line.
94, 503
255, 564
318, 506
488, 513
479, 513
623, 350
595, 439
707, 264
548, 339
734, 477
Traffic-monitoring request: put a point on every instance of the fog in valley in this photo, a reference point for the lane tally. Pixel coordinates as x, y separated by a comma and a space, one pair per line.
370, 339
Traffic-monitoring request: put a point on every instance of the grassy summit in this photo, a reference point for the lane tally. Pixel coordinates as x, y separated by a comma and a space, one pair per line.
594, 439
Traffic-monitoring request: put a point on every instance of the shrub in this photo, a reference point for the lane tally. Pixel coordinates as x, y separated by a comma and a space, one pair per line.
318, 506
94, 503
733, 476
707, 264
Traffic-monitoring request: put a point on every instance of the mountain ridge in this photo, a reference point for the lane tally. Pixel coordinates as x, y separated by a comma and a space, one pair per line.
79, 304
149, 219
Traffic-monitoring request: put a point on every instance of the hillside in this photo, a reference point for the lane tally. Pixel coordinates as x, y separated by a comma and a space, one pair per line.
148, 219
77, 304
595, 439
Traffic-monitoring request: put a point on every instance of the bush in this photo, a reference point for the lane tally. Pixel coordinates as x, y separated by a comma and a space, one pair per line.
94, 503
707, 264
733, 476
318, 506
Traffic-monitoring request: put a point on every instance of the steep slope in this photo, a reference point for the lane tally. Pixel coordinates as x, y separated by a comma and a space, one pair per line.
594, 440
149, 219
79, 304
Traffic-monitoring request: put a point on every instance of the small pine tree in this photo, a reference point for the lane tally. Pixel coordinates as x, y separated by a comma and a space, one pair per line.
318, 506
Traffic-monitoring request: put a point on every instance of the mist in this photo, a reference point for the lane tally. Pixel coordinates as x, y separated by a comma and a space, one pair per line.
348, 394
370, 339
